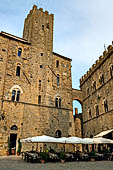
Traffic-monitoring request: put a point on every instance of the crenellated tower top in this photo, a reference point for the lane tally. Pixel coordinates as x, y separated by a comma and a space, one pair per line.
38, 28
98, 62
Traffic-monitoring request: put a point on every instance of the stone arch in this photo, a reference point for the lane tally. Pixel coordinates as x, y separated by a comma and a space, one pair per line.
16, 87
14, 127
77, 95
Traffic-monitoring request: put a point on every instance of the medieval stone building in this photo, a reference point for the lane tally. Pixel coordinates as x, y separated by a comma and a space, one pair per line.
97, 90
36, 86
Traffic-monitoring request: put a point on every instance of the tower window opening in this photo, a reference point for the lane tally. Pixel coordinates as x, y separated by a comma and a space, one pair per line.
90, 116
18, 71
97, 110
58, 79
48, 26
39, 84
19, 51
39, 99
106, 106
111, 71
58, 102
15, 95
43, 27
57, 63
18, 95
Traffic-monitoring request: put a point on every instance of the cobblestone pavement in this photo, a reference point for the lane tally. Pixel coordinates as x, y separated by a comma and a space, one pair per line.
15, 163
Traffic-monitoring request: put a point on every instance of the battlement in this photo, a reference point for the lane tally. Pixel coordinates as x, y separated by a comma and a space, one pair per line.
98, 62
35, 10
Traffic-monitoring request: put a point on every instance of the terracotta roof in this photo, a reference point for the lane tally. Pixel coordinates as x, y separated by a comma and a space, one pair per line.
14, 37
62, 56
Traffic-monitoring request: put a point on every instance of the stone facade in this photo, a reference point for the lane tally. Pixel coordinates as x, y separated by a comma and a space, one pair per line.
36, 87
97, 90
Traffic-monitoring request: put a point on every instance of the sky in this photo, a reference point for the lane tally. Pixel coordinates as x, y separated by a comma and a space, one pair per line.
81, 28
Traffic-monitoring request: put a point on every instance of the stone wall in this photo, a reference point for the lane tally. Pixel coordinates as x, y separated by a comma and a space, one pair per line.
97, 87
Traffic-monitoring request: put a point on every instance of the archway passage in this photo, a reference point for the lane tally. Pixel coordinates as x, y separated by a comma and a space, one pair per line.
77, 107
13, 138
77, 95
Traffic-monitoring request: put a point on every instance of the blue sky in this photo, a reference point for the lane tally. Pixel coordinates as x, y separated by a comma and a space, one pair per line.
81, 28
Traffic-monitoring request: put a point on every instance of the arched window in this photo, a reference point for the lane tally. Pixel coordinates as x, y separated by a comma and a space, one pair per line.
105, 105
89, 112
14, 127
97, 110
111, 71
39, 99
18, 71
57, 63
58, 79
94, 85
19, 51
15, 95
58, 134
101, 79
58, 102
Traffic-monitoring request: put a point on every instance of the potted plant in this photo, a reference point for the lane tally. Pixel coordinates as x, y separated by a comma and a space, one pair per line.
19, 147
43, 157
62, 157
92, 155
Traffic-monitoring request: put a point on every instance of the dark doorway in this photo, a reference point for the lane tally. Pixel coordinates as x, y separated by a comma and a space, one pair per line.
13, 138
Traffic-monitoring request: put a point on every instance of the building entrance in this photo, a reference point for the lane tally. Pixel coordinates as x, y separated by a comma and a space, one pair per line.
13, 138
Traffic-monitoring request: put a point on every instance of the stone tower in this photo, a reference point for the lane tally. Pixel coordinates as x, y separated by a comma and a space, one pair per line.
36, 84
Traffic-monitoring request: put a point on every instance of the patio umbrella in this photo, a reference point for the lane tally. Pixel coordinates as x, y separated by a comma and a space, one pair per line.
87, 141
62, 140
40, 139
101, 140
26, 140
74, 140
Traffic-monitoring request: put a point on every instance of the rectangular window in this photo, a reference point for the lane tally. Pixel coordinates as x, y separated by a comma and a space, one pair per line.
58, 79
43, 27
19, 51
39, 99
13, 95
18, 96
39, 84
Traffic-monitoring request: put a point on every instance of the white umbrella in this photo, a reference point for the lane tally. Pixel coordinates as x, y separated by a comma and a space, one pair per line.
98, 140
101, 140
74, 140
87, 141
62, 140
44, 139
40, 139
26, 140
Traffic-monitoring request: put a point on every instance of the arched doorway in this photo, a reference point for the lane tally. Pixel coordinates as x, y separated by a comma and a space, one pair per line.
58, 134
13, 139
